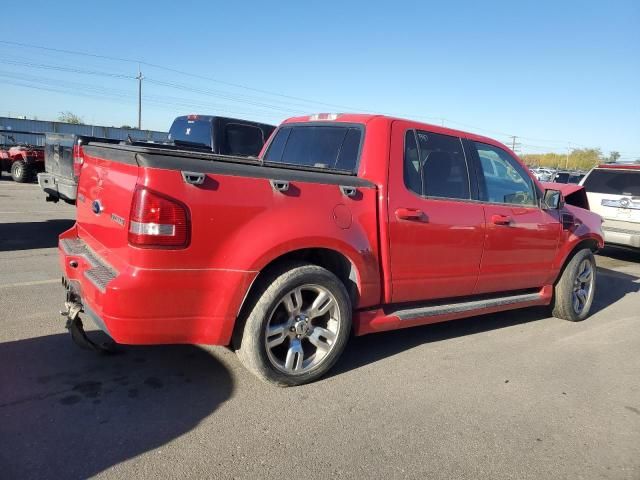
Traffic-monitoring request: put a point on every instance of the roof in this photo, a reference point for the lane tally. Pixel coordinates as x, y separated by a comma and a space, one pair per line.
364, 118
622, 166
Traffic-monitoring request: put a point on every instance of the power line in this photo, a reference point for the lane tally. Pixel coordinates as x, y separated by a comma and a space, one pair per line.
125, 97
64, 68
235, 85
174, 70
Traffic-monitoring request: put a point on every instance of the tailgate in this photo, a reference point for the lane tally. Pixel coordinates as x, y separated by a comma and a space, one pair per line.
105, 192
58, 155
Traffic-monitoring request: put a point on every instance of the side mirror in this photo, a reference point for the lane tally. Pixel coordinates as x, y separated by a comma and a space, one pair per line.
552, 200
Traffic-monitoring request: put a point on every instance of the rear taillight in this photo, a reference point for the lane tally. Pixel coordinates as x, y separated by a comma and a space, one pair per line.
157, 221
78, 159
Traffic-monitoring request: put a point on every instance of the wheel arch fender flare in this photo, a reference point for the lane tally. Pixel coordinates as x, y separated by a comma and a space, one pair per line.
357, 269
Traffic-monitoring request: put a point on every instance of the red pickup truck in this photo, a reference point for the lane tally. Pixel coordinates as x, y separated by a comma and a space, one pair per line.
345, 223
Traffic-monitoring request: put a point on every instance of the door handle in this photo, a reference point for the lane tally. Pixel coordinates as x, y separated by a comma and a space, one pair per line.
411, 214
501, 219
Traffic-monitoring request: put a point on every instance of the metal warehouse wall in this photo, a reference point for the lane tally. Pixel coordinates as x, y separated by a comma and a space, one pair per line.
7, 123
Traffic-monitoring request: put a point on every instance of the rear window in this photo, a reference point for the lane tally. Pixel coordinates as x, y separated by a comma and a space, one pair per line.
244, 140
613, 182
330, 147
195, 133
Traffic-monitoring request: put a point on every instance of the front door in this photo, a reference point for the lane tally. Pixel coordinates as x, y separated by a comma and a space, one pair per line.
521, 238
436, 231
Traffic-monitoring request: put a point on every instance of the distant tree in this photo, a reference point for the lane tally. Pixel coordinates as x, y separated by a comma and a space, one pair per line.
614, 156
128, 127
68, 117
578, 159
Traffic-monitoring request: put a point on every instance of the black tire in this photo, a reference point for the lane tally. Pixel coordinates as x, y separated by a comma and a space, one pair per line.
564, 302
267, 299
20, 172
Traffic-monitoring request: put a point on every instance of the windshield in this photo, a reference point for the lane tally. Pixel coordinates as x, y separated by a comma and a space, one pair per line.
614, 182
191, 132
330, 147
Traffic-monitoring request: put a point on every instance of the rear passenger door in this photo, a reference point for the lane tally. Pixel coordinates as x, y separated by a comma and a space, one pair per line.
521, 238
436, 229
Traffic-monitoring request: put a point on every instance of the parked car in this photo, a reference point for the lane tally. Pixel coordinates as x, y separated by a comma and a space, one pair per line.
544, 174
203, 133
614, 193
576, 177
63, 162
561, 177
567, 176
345, 223
23, 162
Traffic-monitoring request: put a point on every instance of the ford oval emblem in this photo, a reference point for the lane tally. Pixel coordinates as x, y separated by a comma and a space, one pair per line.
96, 207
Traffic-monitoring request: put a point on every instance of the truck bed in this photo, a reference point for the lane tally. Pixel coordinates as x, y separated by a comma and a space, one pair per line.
153, 156
242, 214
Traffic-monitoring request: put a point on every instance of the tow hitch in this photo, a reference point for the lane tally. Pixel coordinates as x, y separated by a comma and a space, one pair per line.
79, 336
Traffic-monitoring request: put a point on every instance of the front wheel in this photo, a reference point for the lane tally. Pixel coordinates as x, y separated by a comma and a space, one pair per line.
576, 288
297, 327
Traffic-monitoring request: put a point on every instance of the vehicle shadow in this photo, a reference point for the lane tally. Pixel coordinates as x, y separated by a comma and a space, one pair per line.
622, 254
70, 413
31, 235
6, 177
611, 287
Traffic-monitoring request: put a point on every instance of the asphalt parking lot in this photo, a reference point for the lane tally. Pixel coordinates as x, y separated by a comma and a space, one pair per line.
512, 395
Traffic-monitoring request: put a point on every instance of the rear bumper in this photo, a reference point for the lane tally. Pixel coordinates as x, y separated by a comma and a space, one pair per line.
152, 306
57, 187
619, 236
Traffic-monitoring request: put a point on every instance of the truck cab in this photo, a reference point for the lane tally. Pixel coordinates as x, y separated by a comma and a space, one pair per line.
226, 136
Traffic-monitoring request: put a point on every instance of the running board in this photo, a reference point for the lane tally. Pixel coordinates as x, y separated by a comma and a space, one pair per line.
453, 308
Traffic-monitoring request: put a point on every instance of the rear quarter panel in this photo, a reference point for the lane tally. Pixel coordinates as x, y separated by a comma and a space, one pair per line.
242, 223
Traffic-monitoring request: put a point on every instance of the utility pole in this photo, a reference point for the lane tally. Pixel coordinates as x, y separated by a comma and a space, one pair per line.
139, 78
566, 166
515, 145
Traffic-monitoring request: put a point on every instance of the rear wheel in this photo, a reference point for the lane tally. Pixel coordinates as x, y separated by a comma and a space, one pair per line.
576, 288
297, 327
20, 171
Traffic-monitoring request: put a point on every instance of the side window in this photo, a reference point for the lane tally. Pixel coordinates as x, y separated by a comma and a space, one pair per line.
505, 180
435, 165
412, 178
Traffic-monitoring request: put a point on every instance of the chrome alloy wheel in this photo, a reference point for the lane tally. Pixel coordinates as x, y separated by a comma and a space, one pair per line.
583, 286
302, 329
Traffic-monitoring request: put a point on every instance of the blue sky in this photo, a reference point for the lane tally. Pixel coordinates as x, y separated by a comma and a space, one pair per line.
556, 74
